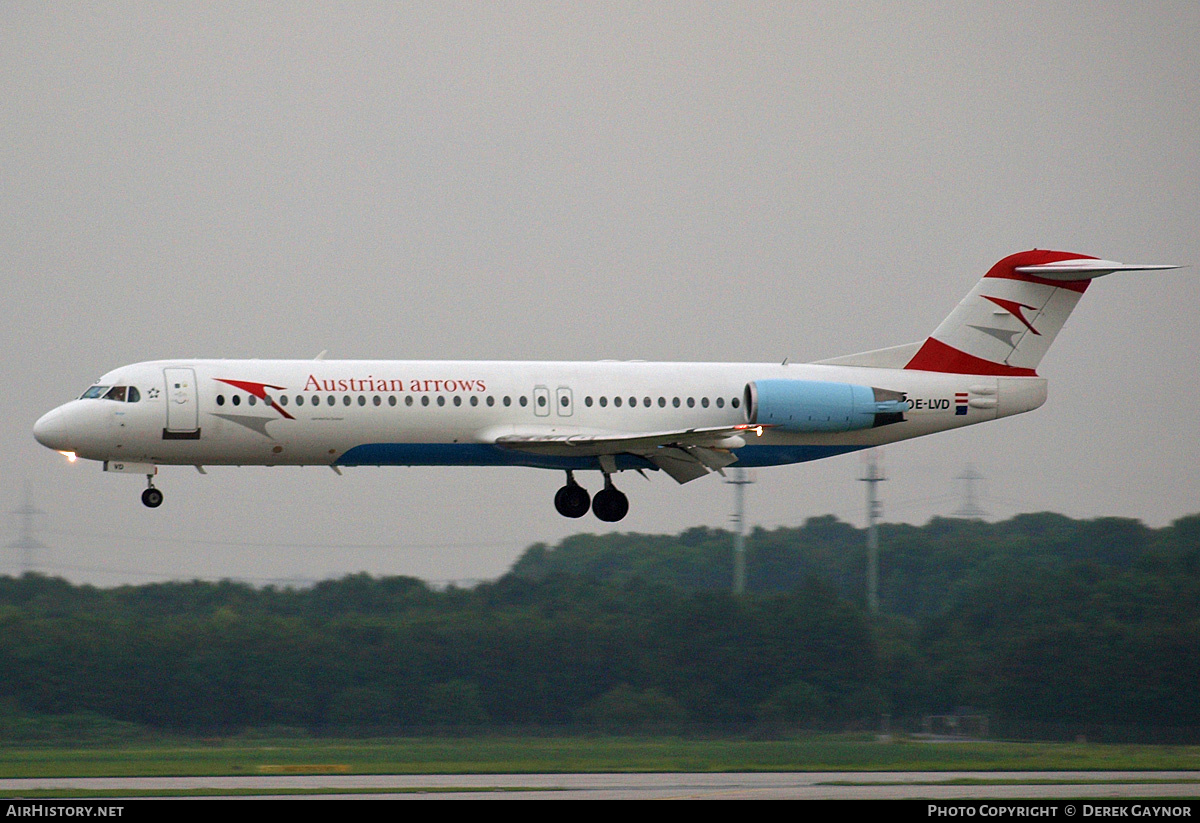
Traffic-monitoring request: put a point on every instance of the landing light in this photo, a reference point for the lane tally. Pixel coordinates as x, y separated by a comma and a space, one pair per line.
71, 458
758, 430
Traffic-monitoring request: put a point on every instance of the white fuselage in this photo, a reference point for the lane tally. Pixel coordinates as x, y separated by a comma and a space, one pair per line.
684, 419
397, 412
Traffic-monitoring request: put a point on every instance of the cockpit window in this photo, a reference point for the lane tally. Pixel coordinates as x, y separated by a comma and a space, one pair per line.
116, 393
133, 396
93, 393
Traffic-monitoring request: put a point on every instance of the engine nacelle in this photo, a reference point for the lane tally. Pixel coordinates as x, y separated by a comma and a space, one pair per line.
814, 406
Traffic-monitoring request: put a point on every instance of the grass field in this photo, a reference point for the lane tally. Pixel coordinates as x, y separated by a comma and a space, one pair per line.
515, 755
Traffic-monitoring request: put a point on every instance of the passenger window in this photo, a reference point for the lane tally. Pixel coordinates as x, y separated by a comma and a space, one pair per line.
507, 400
441, 400
392, 400
283, 399
237, 400
733, 402
376, 400
220, 400
646, 402
491, 401
587, 401
603, 402
662, 402
346, 400
704, 402
424, 400
299, 400
720, 402
408, 401
691, 401
675, 402
524, 400
362, 400
474, 400
617, 401
457, 400
330, 400
251, 400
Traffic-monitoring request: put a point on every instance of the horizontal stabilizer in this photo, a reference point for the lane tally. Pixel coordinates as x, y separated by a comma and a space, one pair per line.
1085, 268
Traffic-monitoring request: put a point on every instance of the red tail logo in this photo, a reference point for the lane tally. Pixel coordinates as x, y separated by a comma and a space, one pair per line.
258, 390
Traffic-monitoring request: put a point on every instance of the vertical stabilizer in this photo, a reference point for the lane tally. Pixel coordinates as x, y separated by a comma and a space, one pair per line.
1008, 321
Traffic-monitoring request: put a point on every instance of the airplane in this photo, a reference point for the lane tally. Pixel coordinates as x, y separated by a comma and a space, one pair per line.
683, 419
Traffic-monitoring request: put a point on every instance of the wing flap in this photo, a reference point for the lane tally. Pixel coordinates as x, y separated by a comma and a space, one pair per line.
681, 466
684, 455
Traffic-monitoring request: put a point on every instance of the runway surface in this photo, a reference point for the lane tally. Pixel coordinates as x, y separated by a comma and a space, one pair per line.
665, 786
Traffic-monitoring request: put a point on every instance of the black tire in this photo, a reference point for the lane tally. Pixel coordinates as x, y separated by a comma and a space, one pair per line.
152, 498
572, 500
610, 505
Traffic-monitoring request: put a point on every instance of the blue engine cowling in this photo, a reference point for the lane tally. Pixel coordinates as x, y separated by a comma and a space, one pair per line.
814, 406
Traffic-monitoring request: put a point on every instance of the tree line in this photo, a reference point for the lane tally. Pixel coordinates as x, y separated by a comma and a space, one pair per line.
1035, 620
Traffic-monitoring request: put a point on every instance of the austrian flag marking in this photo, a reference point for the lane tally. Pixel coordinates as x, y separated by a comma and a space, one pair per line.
960, 402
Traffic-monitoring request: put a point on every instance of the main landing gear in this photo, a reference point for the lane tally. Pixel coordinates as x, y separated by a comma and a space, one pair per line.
572, 500
151, 497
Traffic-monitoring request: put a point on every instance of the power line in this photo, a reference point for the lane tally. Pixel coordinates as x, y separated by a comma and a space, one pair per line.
740, 479
27, 543
969, 508
873, 476
265, 544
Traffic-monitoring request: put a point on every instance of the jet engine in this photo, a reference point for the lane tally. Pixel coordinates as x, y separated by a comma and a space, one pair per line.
815, 406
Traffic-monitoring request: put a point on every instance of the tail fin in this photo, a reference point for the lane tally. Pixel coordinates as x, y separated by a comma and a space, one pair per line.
1008, 321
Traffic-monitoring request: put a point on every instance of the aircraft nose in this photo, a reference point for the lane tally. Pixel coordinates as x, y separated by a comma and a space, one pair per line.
51, 431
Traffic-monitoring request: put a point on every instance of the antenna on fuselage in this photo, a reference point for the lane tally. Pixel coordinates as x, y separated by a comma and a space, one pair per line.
321, 356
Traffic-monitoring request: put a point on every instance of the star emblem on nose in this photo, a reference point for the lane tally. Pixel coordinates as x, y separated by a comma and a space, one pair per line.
152, 393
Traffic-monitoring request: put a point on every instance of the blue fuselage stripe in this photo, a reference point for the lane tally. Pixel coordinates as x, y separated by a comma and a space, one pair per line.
482, 454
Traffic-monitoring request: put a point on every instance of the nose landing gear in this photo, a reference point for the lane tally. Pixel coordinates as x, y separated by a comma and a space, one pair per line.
151, 497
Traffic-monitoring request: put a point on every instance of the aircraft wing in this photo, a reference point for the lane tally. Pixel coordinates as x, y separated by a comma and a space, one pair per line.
684, 454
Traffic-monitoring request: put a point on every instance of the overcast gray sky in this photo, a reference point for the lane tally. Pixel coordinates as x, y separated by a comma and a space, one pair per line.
694, 181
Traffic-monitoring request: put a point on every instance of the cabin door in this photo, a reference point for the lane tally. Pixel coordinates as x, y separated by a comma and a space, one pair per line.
183, 413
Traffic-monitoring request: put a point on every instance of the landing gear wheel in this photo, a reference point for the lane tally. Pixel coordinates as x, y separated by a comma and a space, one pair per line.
152, 497
572, 500
610, 505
